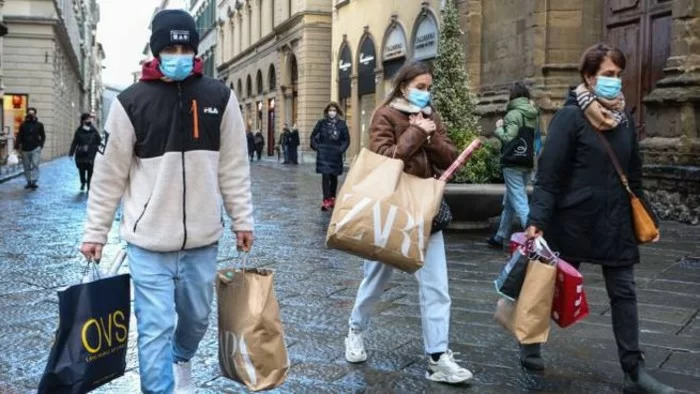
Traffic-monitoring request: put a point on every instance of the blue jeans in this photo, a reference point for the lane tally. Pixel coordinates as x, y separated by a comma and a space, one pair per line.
168, 287
30, 162
514, 201
433, 293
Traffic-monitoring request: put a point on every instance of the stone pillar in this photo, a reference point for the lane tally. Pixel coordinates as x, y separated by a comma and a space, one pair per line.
355, 128
471, 20
672, 123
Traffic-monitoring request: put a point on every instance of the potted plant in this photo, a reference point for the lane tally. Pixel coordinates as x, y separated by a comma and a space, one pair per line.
475, 194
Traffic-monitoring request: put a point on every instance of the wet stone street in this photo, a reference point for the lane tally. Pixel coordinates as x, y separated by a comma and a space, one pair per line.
39, 240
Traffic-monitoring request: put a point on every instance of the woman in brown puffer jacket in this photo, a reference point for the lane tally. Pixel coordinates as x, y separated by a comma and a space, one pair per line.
407, 127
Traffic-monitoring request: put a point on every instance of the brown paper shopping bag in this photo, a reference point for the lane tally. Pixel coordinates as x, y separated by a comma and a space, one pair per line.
252, 350
533, 307
384, 214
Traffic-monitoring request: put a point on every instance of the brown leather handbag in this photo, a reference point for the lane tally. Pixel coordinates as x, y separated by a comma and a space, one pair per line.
645, 229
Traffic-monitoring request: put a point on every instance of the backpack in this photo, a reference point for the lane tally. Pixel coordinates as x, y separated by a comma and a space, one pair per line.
519, 152
259, 139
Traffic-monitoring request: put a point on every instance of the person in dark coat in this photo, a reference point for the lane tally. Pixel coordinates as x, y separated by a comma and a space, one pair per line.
85, 143
330, 139
294, 143
581, 207
250, 139
30, 141
284, 143
259, 142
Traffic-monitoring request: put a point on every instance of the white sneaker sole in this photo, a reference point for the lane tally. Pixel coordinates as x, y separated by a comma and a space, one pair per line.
356, 359
442, 378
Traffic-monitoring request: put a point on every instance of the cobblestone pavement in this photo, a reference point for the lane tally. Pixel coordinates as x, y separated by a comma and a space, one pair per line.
39, 238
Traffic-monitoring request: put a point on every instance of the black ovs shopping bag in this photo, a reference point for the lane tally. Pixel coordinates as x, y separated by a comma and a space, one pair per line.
92, 337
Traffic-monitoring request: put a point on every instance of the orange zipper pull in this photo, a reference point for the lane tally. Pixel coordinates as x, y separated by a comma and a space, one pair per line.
195, 116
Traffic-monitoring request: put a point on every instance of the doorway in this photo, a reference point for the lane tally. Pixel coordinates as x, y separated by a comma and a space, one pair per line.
642, 30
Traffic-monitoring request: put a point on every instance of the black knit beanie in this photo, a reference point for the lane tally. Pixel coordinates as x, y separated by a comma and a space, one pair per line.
173, 27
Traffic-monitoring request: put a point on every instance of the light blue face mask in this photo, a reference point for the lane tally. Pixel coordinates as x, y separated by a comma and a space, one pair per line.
419, 98
176, 67
608, 87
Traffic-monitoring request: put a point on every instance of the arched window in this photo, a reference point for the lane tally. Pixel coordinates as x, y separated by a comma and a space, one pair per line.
249, 87
366, 64
272, 78
344, 71
259, 82
239, 89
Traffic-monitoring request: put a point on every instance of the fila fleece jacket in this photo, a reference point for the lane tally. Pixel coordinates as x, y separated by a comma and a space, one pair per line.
172, 153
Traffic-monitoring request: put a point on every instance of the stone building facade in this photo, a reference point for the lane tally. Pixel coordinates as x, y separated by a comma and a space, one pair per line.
370, 44
275, 55
541, 42
204, 12
48, 64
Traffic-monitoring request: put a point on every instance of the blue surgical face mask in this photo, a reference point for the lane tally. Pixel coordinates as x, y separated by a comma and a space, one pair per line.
176, 67
608, 87
419, 98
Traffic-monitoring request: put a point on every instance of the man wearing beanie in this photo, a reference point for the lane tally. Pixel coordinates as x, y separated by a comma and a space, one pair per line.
174, 150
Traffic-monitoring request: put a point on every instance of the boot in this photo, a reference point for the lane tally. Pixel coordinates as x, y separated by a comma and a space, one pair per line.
495, 242
531, 357
325, 204
644, 384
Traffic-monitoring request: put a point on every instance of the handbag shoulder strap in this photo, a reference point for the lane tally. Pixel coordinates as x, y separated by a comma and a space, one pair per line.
615, 161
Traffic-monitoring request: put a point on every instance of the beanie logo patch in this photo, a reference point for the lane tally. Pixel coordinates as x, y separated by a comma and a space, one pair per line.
179, 36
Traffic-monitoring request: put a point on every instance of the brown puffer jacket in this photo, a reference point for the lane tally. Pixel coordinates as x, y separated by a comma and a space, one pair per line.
392, 135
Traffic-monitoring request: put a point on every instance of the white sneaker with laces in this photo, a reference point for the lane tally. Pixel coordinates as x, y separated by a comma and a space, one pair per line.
355, 347
446, 370
182, 372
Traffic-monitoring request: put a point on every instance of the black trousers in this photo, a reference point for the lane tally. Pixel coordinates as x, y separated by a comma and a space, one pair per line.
293, 155
621, 288
330, 186
85, 171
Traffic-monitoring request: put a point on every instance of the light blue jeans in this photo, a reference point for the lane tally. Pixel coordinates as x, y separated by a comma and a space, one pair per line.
433, 293
30, 163
172, 300
514, 201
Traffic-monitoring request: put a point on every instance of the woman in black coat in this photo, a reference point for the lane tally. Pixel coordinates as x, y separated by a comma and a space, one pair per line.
582, 208
85, 143
330, 139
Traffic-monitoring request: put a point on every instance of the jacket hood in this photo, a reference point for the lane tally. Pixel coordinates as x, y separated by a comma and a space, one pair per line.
150, 71
523, 105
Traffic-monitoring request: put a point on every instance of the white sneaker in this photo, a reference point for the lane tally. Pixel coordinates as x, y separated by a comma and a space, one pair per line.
182, 372
355, 347
446, 370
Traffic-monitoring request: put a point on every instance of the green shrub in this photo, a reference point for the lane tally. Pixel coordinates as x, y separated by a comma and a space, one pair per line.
453, 98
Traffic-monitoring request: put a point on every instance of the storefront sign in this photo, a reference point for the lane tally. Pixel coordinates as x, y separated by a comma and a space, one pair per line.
395, 44
367, 63
425, 44
344, 72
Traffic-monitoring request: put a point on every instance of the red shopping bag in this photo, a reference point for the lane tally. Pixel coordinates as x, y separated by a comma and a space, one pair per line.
569, 305
516, 240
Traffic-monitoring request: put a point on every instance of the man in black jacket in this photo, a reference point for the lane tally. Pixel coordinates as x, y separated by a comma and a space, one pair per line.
30, 141
86, 141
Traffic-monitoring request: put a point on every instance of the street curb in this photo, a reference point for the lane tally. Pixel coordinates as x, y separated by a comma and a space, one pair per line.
9, 177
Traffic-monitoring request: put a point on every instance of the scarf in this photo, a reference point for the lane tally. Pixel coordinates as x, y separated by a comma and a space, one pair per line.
603, 114
404, 106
